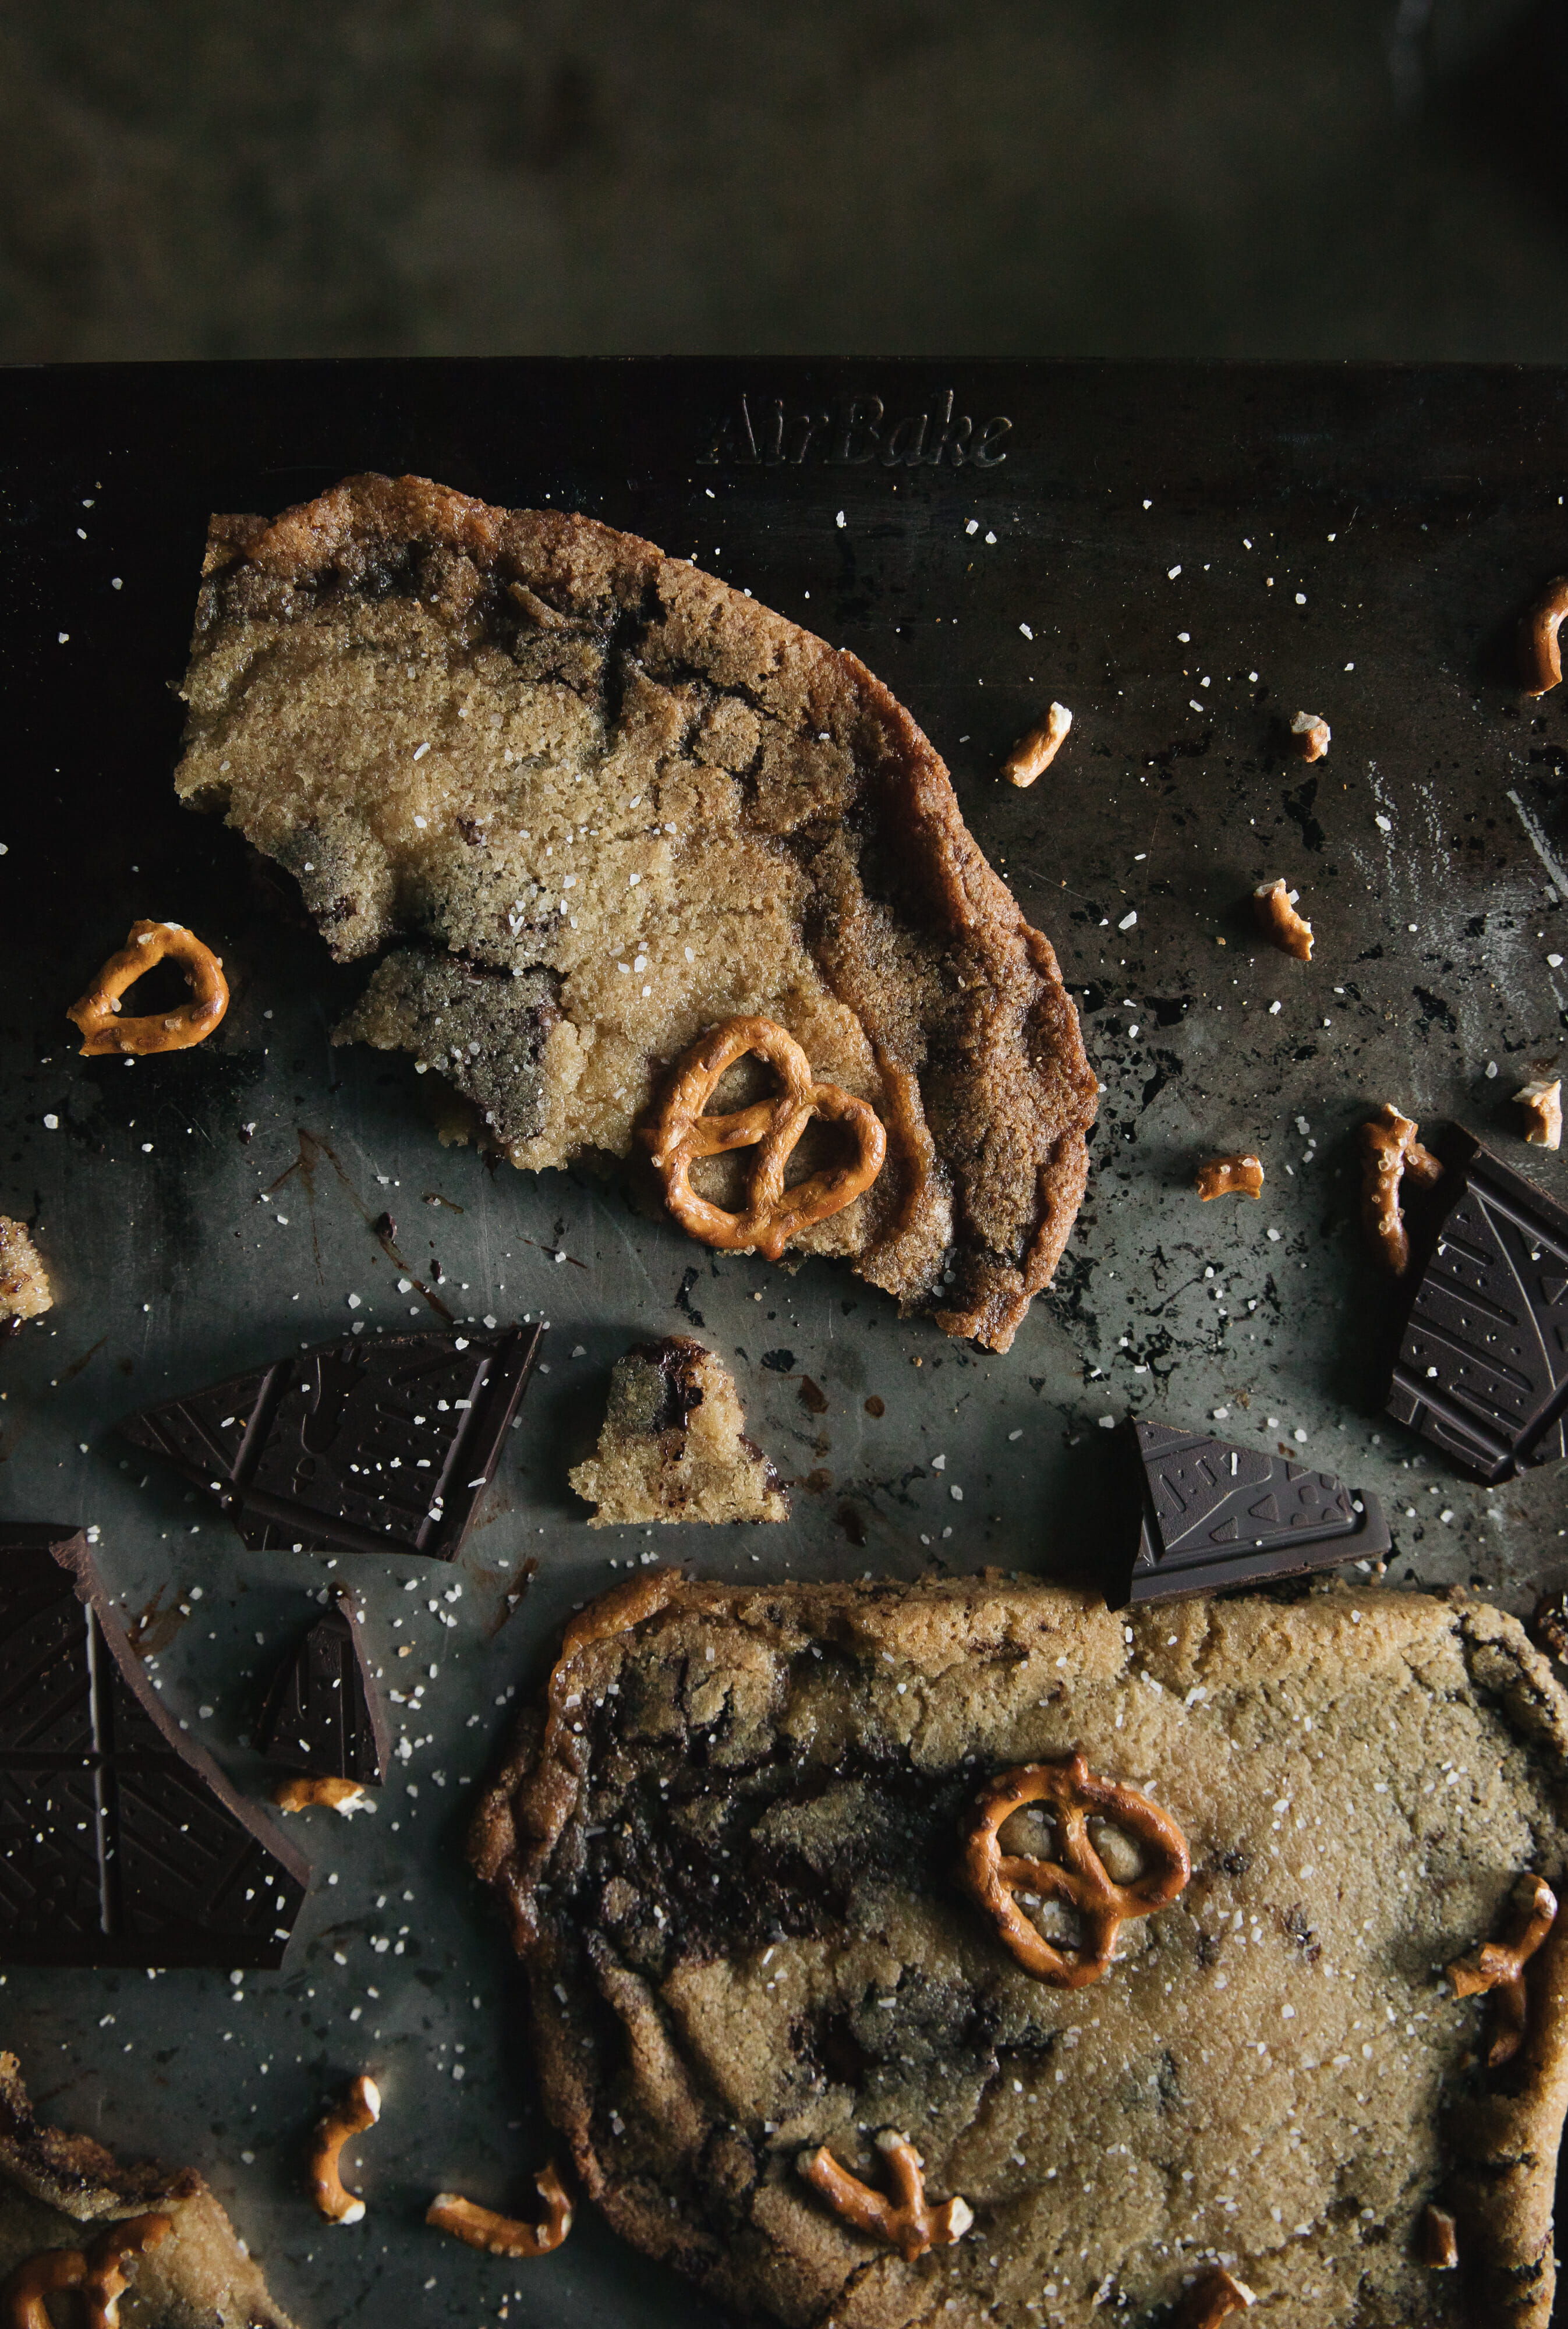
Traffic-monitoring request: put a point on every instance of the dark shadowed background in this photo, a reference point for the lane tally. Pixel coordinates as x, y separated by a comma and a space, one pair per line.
1028, 178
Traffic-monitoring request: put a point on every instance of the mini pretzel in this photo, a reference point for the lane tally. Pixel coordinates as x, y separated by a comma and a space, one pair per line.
1080, 1876
1540, 653
1310, 735
680, 1133
1230, 1176
1437, 2239
99, 2274
503, 2235
98, 1013
1276, 910
1499, 1966
1543, 1105
360, 2109
1390, 1151
344, 1796
1033, 753
906, 2223
1212, 2297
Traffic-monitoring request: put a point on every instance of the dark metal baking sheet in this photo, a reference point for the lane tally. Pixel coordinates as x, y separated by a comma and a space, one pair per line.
1185, 556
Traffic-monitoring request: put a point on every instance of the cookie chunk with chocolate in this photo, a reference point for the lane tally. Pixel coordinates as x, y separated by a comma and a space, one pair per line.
965, 1953
69, 2209
674, 1446
585, 804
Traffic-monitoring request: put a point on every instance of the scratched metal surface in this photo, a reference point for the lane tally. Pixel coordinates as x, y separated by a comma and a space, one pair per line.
1185, 556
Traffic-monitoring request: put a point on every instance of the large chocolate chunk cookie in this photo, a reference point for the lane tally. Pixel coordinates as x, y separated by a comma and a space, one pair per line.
732, 1842
586, 802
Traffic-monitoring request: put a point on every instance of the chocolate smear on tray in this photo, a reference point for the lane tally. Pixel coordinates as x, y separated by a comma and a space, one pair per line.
1214, 1515
1482, 1370
324, 1713
357, 1445
121, 1843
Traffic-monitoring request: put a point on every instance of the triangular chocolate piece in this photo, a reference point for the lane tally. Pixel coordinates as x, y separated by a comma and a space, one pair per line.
324, 1713
1482, 1370
121, 1843
1214, 1515
381, 1444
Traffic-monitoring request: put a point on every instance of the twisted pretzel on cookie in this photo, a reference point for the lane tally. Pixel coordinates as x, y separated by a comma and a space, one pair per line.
1499, 1966
1080, 1876
98, 1013
680, 1134
906, 2223
99, 2272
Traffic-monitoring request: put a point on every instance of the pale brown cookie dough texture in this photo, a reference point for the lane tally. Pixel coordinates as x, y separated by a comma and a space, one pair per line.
585, 801
728, 1843
673, 1444
60, 2191
25, 1289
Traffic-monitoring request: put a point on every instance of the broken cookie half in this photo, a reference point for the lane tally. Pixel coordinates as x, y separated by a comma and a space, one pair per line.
65, 2201
587, 803
674, 1446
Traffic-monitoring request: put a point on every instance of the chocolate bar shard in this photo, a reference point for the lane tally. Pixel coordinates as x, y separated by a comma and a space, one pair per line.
121, 1843
1214, 1516
358, 1446
324, 1713
1482, 1370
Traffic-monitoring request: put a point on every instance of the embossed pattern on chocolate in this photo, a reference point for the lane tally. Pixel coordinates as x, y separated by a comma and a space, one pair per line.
121, 1843
1482, 1370
324, 1713
1216, 1514
356, 1446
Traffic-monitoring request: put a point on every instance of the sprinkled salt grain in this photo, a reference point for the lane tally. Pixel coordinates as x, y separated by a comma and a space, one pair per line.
991, 538
1298, 1434
1028, 634
838, 520
1491, 1068
1016, 1435
957, 1494
419, 751
1127, 920
939, 1463
1171, 573
1107, 1422
973, 526
51, 1124
1300, 598
1555, 961
353, 1302
1384, 824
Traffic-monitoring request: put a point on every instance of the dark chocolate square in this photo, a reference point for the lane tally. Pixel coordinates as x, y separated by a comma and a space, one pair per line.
1214, 1515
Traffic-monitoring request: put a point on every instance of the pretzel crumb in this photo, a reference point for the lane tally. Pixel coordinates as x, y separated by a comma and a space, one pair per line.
907, 2222
344, 1796
1437, 2239
1390, 1149
1230, 1176
1499, 1967
360, 2109
481, 2228
1033, 753
1276, 910
1310, 734
1543, 1105
1212, 2297
1540, 652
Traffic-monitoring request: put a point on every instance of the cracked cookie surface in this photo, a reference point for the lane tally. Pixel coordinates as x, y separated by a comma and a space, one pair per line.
586, 801
729, 1839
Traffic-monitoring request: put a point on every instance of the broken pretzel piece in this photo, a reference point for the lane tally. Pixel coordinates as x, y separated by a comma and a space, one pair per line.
1543, 1105
1539, 650
1437, 2239
1310, 735
344, 1796
97, 1013
1072, 1796
1499, 1967
907, 2223
1390, 1149
1276, 910
503, 2235
360, 2109
1230, 1176
99, 2272
1033, 753
1212, 2297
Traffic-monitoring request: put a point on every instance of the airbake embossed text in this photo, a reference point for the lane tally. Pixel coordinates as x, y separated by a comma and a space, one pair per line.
854, 429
